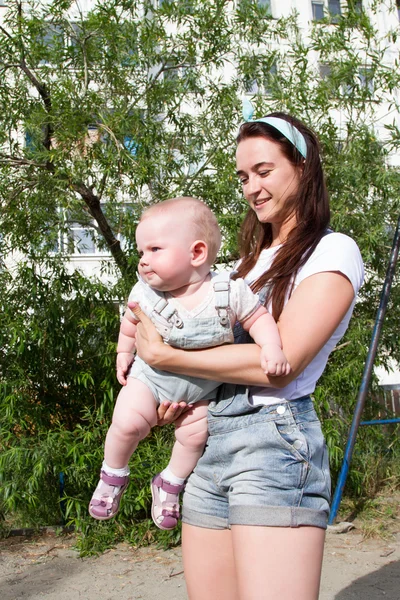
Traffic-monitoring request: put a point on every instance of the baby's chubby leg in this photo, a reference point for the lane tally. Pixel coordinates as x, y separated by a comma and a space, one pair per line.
135, 413
191, 436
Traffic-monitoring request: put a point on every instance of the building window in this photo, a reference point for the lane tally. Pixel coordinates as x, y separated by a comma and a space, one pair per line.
30, 144
34, 140
261, 85
334, 8
325, 71
131, 145
51, 36
266, 5
317, 11
269, 79
185, 5
172, 72
251, 86
366, 80
74, 32
52, 241
327, 81
355, 5
81, 240
50, 40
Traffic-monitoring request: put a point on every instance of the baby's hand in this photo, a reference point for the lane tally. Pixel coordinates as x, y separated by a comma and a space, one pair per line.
124, 361
273, 361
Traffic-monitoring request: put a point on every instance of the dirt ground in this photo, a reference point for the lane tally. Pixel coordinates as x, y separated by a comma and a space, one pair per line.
48, 567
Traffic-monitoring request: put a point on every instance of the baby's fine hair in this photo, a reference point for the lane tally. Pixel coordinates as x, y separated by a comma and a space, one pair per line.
204, 222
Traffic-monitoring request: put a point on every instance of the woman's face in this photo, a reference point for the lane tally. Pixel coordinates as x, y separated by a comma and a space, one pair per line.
268, 178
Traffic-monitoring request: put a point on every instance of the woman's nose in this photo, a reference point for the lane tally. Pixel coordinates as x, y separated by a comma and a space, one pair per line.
252, 187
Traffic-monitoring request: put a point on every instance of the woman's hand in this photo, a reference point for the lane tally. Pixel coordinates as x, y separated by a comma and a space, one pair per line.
168, 412
149, 344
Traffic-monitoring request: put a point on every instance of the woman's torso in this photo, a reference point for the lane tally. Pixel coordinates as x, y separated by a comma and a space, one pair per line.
335, 252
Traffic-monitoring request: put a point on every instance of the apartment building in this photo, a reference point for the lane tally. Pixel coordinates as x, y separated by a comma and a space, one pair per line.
81, 247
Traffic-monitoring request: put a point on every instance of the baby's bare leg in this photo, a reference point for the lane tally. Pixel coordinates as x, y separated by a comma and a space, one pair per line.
135, 413
191, 436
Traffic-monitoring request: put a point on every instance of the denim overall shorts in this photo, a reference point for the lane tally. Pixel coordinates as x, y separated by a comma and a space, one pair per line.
178, 329
264, 465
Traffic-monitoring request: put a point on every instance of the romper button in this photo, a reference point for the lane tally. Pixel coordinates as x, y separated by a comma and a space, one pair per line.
297, 444
280, 410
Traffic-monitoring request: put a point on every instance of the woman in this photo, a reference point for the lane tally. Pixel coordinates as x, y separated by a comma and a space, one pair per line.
255, 508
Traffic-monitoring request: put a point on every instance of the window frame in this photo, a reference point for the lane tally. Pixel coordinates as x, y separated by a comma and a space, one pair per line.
314, 4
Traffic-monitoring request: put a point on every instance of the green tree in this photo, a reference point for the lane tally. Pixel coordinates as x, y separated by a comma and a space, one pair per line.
104, 111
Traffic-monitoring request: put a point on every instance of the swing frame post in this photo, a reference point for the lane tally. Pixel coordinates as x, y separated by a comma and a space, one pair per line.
363, 390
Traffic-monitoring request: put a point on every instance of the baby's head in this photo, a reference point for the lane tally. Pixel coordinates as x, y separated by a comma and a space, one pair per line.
192, 216
178, 241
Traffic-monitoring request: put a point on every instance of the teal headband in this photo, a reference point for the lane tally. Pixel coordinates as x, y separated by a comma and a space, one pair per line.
289, 131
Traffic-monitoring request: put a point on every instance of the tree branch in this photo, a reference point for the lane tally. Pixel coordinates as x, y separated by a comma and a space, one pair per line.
45, 95
17, 161
5, 32
92, 201
188, 179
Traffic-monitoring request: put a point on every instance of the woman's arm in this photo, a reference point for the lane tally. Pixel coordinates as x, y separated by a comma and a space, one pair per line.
308, 320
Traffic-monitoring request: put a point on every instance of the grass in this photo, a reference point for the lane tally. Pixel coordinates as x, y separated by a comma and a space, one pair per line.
377, 517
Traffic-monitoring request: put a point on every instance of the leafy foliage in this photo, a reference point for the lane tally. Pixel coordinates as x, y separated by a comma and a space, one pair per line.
104, 111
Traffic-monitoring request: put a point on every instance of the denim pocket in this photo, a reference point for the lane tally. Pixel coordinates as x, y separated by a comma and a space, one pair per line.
232, 401
293, 438
226, 395
318, 450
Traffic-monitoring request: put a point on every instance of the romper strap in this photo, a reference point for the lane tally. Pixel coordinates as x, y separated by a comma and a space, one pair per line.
161, 306
222, 288
164, 308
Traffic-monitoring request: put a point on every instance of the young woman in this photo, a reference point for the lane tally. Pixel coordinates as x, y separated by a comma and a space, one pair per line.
255, 508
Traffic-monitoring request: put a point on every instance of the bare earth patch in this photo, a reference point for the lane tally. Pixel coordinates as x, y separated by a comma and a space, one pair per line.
48, 567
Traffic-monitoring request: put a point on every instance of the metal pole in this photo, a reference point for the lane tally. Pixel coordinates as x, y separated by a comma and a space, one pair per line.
369, 363
380, 422
61, 484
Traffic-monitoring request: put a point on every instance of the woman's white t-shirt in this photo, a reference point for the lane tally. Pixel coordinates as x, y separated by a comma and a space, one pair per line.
335, 252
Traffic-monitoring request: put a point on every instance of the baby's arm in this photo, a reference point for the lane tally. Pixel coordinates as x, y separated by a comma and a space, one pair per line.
126, 346
264, 331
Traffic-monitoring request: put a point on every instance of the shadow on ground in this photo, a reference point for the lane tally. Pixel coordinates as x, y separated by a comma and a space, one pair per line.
385, 582
40, 579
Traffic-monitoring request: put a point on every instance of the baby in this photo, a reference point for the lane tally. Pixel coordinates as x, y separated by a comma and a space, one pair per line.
191, 307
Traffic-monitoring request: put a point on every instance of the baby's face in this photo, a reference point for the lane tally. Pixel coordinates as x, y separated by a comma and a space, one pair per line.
164, 244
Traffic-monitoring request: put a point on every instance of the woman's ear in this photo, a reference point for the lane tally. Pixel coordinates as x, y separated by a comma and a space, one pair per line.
199, 251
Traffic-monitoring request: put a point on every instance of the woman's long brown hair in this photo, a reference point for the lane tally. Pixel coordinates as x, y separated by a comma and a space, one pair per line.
309, 205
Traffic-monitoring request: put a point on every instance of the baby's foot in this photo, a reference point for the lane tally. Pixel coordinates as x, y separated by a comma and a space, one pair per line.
107, 496
165, 512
